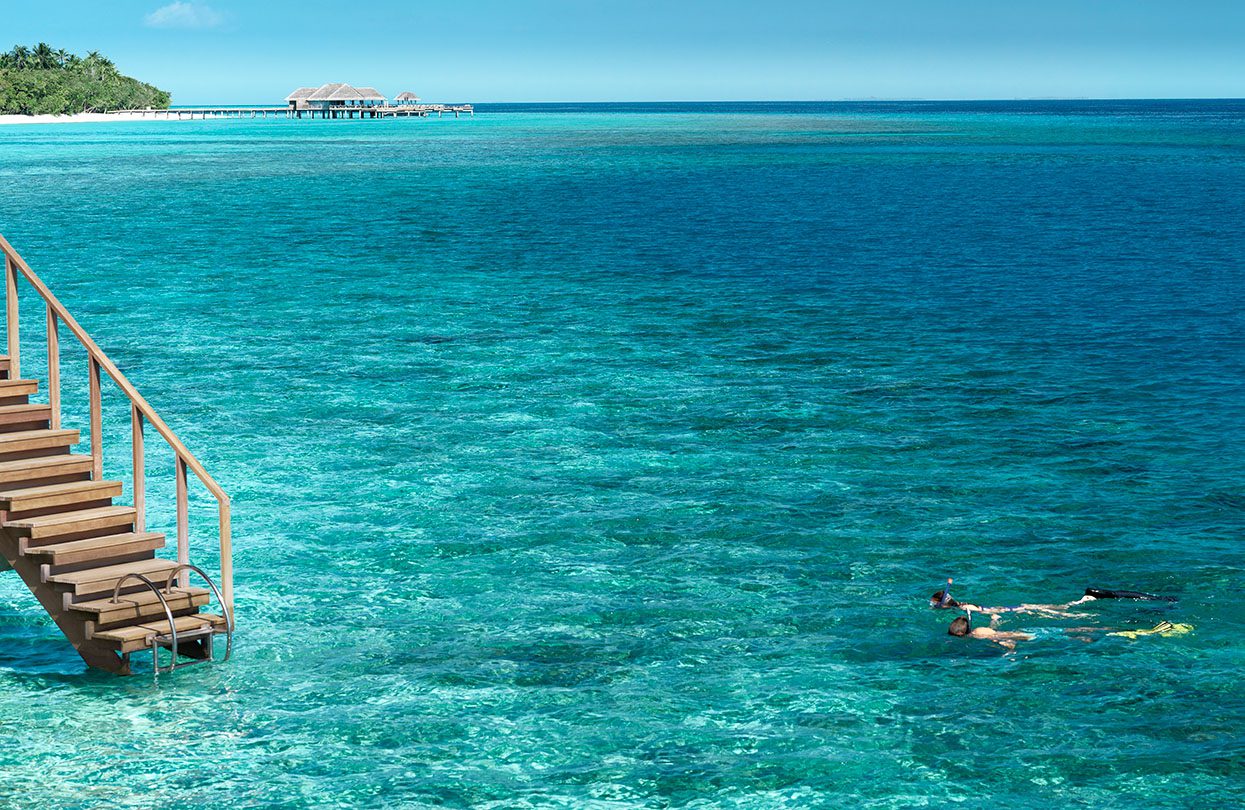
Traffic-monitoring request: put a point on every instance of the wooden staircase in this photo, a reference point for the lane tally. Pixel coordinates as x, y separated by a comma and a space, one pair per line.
90, 562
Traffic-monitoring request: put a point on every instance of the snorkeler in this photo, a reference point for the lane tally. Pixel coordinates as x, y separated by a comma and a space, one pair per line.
962, 627
943, 599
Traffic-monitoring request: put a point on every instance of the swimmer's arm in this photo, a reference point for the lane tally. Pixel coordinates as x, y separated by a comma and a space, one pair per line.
1056, 611
1045, 610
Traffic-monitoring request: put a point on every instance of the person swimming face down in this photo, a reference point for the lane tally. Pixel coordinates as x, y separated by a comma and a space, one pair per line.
942, 599
962, 627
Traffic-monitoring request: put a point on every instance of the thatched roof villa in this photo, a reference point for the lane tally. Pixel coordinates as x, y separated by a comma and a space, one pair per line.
340, 100
333, 95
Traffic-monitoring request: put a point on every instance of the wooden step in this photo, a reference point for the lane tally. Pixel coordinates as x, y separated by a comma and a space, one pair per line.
36, 469
23, 440
104, 579
4, 366
141, 605
18, 388
24, 414
136, 637
49, 495
63, 523
103, 548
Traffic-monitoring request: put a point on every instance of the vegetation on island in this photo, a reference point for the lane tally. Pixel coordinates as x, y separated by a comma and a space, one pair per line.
46, 81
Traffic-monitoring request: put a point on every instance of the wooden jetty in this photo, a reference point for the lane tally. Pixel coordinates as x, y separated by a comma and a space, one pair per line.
340, 111
91, 563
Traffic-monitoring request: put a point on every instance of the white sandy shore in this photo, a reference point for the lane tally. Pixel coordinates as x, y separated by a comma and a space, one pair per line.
80, 118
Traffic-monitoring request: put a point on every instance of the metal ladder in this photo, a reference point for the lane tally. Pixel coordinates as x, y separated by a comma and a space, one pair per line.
172, 639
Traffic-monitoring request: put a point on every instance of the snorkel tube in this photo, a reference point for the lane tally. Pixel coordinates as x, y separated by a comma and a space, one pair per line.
946, 596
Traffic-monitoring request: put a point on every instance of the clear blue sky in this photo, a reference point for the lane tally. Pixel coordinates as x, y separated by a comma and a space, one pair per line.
596, 50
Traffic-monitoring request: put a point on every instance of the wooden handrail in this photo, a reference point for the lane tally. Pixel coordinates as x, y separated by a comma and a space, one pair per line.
141, 409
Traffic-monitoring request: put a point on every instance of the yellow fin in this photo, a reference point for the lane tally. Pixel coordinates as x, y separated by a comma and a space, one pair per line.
1160, 629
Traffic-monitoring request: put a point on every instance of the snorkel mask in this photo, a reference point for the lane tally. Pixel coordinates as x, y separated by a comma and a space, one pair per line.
945, 599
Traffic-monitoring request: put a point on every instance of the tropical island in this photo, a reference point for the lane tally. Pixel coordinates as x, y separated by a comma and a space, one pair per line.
46, 81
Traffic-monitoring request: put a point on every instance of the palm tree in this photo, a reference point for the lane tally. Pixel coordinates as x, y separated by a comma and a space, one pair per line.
21, 56
45, 57
62, 57
92, 63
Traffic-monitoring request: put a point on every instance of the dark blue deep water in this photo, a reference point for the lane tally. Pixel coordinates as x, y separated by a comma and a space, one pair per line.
606, 456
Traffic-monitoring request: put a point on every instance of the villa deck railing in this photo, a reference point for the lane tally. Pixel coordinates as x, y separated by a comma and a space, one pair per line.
140, 412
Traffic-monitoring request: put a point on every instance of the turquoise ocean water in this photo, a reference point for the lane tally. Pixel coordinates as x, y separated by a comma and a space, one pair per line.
606, 456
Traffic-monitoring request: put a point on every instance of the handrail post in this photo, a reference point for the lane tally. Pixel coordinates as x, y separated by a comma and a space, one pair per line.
97, 422
140, 469
10, 318
54, 368
226, 556
183, 521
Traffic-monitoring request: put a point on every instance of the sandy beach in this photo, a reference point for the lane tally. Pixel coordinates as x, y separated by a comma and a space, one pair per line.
79, 118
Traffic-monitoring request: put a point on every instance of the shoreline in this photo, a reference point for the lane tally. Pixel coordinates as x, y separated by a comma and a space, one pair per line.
76, 118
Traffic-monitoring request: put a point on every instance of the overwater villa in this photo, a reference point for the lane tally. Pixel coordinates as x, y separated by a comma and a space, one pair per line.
328, 96
340, 100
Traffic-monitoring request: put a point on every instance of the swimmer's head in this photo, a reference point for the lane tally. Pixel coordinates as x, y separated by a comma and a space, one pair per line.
942, 599
960, 626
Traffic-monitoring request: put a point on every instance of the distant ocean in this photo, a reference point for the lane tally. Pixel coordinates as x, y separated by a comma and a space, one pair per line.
606, 455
